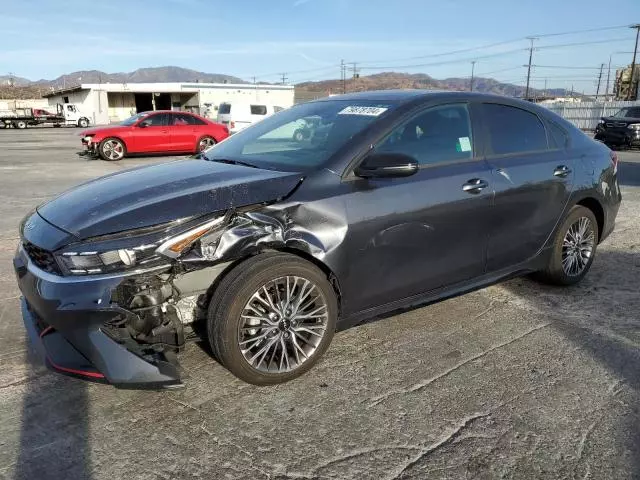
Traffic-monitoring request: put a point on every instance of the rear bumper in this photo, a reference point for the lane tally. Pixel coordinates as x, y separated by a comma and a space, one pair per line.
64, 319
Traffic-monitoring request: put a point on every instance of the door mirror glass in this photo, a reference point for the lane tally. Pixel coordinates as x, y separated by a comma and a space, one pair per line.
385, 165
144, 124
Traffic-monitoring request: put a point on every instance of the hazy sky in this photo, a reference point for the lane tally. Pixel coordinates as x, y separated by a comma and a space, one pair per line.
308, 38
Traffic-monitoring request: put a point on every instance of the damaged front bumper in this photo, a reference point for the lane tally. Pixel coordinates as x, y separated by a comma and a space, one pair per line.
65, 319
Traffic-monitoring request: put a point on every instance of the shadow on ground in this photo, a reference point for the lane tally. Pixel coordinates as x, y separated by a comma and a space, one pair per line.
54, 435
601, 316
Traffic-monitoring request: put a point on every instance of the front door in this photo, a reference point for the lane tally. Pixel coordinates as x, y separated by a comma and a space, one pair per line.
532, 176
411, 235
154, 136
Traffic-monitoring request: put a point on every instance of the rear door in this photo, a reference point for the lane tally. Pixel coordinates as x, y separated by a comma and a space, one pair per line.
532, 176
154, 136
185, 131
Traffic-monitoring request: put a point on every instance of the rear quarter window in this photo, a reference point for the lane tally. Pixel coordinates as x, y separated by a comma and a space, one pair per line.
558, 137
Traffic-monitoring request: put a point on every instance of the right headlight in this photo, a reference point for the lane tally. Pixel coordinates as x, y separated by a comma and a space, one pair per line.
136, 252
634, 126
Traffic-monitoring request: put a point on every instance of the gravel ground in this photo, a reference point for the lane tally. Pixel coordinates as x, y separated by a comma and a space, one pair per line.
513, 381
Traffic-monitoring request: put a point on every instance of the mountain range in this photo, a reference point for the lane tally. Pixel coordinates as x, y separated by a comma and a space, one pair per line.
25, 88
387, 80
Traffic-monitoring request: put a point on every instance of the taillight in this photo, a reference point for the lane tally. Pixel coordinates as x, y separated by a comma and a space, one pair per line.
232, 124
614, 161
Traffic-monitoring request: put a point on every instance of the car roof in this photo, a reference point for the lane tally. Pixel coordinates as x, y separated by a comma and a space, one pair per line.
404, 96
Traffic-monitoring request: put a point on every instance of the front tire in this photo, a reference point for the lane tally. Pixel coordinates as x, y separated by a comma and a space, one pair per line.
83, 123
574, 248
112, 149
21, 124
271, 318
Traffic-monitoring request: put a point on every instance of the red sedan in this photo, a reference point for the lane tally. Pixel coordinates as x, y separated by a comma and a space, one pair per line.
154, 132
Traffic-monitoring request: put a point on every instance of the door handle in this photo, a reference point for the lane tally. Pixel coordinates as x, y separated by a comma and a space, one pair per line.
475, 185
561, 171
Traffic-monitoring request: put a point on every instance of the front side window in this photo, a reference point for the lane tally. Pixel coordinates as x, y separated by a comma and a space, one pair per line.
225, 108
302, 137
513, 130
159, 120
258, 109
439, 134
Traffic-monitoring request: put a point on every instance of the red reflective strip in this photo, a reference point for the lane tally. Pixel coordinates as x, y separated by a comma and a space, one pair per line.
45, 331
74, 371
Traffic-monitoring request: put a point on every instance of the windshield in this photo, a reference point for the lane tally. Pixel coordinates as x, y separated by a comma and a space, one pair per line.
300, 138
131, 120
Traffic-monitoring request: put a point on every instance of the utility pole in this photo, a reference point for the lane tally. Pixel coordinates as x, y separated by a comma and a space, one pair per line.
545, 88
356, 75
599, 80
633, 91
526, 94
284, 79
12, 82
343, 76
473, 67
606, 92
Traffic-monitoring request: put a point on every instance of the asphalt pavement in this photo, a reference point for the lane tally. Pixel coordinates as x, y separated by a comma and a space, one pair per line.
517, 380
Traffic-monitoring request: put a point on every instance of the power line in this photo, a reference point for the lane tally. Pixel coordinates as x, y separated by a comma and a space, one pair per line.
600, 29
496, 44
445, 62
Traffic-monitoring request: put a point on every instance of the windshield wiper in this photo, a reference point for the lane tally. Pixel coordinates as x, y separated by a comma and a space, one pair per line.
232, 162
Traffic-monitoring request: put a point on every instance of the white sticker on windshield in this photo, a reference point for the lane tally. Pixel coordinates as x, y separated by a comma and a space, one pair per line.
368, 111
465, 144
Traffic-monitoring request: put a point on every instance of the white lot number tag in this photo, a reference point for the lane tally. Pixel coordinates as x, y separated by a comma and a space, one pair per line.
368, 111
465, 144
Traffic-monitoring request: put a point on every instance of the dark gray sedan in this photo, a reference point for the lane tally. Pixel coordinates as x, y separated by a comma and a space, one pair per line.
271, 241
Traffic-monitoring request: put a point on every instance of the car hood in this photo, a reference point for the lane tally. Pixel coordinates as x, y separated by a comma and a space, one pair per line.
152, 195
96, 130
621, 119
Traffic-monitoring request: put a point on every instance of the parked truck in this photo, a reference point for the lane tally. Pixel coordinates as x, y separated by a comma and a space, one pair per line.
626, 84
67, 114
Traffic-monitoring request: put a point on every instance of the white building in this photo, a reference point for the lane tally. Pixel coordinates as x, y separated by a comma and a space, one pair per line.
113, 102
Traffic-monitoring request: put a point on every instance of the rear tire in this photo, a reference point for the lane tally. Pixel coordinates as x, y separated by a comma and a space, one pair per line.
205, 143
293, 337
83, 123
574, 248
112, 149
21, 124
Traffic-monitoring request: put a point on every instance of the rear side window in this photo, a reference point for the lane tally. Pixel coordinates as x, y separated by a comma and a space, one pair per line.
277, 109
513, 130
258, 109
186, 119
225, 108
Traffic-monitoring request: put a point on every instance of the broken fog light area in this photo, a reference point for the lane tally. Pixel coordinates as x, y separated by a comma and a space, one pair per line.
151, 323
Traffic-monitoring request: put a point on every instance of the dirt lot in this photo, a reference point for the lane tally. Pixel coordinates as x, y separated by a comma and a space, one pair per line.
513, 381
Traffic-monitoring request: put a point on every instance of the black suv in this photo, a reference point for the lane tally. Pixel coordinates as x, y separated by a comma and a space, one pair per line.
620, 130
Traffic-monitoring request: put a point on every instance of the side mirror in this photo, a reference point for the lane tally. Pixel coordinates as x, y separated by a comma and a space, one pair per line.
386, 165
143, 124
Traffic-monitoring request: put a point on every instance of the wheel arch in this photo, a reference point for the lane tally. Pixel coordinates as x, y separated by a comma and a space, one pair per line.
115, 137
331, 277
598, 211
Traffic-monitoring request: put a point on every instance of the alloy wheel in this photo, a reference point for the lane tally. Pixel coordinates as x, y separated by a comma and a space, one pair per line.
282, 324
113, 150
206, 143
578, 246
